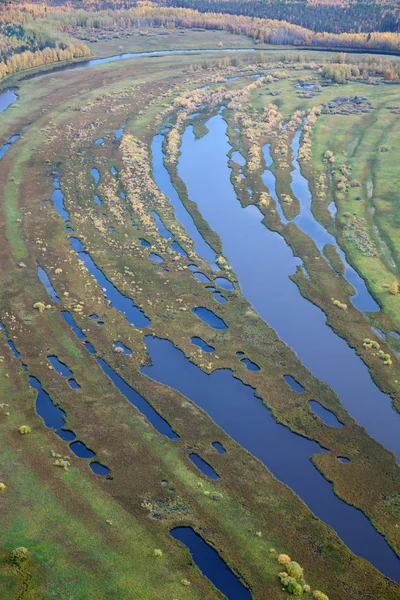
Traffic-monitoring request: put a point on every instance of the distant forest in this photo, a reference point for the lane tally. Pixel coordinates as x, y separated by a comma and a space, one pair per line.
337, 16
331, 16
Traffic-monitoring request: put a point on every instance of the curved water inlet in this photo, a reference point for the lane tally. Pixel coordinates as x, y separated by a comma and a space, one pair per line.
164, 183
306, 221
251, 249
8, 96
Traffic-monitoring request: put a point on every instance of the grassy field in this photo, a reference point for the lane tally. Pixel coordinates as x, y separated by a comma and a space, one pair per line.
92, 537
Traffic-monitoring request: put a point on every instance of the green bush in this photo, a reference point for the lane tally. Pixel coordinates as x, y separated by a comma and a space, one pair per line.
295, 588
317, 595
294, 570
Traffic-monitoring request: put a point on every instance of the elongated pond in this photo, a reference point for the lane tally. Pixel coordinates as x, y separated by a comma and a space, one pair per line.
243, 416
263, 263
211, 564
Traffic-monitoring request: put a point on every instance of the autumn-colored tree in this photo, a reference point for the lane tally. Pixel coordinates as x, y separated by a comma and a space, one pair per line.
394, 288
390, 75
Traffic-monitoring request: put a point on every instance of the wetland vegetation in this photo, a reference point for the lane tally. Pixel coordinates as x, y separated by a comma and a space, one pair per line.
199, 347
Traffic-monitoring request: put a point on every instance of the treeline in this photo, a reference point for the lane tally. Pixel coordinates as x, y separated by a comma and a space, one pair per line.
330, 17
40, 33
261, 30
29, 60
28, 39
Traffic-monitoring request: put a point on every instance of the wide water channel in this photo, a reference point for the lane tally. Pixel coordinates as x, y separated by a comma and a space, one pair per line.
263, 262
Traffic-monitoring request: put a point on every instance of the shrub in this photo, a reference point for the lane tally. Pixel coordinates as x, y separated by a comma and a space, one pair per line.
283, 559
185, 582
39, 306
339, 304
317, 595
157, 552
294, 570
20, 554
24, 429
2, 486
306, 589
295, 588
62, 463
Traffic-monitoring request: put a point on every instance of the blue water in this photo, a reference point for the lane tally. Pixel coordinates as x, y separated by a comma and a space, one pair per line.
202, 344
238, 158
52, 415
9, 143
97, 200
119, 132
99, 469
160, 424
209, 317
54, 418
44, 278
307, 223
125, 305
218, 447
251, 247
10, 343
58, 201
74, 384
144, 243
203, 466
81, 450
89, 347
7, 98
66, 435
160, 226
124, 348
224, 283
326, 415
155, 257
96, 175
250, 364
295, 385
59, 366
99, 142
234, 407
379, 332
13, 349
114, 171
211, 564
201, 277
178, 248
163, 181
69, 319
219, 298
